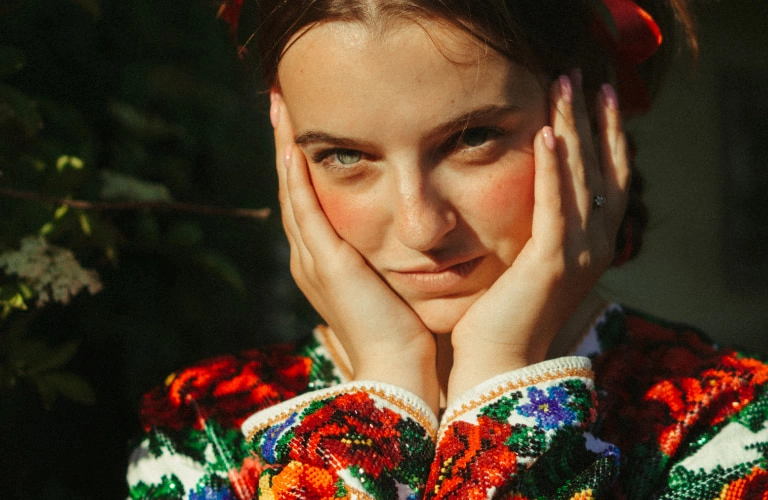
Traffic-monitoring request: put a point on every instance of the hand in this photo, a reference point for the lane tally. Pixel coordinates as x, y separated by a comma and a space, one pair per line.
513, 324
382, 336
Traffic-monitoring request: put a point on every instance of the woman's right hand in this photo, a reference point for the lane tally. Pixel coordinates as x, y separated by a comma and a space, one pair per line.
382, 336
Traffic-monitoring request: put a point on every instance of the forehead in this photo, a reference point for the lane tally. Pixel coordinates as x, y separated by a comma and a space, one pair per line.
437, 69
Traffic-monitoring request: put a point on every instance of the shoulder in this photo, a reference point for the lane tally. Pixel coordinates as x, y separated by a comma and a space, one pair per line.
674, 403
640, 346
228, 388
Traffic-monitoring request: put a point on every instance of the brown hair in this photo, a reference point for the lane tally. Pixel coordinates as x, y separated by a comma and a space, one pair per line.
550, 37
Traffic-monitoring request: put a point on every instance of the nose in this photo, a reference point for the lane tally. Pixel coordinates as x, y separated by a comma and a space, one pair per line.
424, 214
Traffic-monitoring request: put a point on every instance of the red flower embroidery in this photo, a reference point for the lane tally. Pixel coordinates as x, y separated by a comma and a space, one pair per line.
472, 460
349, 431
664, 381
754, 486
227, 388
715, 395
245, 480
297, 481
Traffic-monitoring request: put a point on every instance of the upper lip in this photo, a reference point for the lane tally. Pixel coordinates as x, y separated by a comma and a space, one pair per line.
436, 267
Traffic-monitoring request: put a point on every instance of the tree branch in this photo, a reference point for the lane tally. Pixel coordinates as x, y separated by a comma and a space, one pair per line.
162, 206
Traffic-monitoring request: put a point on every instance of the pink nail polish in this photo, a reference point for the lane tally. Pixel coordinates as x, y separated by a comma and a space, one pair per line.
549, 137
565, 88
609, 96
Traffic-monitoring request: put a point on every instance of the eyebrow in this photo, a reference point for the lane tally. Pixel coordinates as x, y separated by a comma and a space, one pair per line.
460, 122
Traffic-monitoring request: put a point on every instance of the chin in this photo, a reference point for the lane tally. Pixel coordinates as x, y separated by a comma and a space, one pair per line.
440, 316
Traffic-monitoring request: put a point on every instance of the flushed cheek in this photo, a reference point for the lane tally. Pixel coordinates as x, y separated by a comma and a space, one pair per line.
503, 215
355, 219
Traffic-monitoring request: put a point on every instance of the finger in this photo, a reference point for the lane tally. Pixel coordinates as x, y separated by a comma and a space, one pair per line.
548, 224
282, 135
577, 155
312, 224
614, 157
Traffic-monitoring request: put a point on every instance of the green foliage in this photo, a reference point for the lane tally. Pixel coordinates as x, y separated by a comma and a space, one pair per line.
117, 120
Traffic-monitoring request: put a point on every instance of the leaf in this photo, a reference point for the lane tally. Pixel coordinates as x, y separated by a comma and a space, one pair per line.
55, 358
12, 60
25, 353
21, 109
72, 387
12, 297
219, 265
117, 186
68, 385
46, 390
85, 223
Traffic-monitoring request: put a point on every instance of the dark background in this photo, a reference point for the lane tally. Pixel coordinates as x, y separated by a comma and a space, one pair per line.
156, 90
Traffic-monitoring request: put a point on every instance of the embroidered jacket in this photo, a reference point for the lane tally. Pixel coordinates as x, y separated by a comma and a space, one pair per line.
644, 410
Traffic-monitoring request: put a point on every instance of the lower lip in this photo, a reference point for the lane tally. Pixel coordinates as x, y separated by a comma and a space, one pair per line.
446, 281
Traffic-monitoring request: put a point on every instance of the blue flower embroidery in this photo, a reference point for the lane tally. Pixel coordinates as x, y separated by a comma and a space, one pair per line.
271, 439
550, 409
209, 493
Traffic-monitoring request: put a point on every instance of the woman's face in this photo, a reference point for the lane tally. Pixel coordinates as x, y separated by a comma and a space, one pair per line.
419, 145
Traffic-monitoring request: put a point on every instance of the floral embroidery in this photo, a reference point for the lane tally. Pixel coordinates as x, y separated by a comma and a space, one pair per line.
211, 493
550, 410
349, 431
227, 388
472, 459
755, 485
349, 435
300, 481
664, 392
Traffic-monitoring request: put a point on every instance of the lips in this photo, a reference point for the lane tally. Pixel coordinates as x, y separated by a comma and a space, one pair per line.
443, 279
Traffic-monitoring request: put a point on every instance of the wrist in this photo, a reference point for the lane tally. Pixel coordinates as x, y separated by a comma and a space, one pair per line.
475, 365
413, 371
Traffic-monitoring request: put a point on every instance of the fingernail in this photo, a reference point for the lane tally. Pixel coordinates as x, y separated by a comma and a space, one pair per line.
565, 88
549, 137
287, 155
576, 77
274, 110
609, 96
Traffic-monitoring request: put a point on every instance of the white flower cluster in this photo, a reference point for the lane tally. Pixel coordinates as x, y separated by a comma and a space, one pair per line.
51, 272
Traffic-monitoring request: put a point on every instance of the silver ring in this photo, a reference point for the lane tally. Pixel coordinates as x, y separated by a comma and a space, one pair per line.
598, 201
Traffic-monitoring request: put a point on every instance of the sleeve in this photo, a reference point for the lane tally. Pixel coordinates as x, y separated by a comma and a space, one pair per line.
212, 462
520, 435
193, 447
524, 435
355, 440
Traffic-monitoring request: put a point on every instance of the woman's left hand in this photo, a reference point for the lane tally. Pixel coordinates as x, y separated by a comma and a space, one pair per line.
578, 207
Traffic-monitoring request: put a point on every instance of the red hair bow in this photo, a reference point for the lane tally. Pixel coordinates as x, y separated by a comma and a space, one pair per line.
229, 11
637, 38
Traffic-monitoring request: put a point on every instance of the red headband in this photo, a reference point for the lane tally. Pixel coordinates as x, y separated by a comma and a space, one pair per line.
637, 38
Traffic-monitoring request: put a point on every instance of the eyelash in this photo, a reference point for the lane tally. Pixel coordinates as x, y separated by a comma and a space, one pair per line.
457, 144
322, 157
453, 145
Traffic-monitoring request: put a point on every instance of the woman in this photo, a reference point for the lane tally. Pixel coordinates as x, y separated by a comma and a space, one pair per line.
449, 215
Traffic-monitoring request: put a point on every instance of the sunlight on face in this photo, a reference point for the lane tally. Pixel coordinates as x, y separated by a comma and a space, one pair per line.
419, 143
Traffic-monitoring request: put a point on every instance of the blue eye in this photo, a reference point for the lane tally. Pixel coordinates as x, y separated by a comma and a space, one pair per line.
338, 157
348, 156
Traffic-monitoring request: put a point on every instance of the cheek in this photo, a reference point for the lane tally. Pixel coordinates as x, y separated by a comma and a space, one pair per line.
504, 212
354, 218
